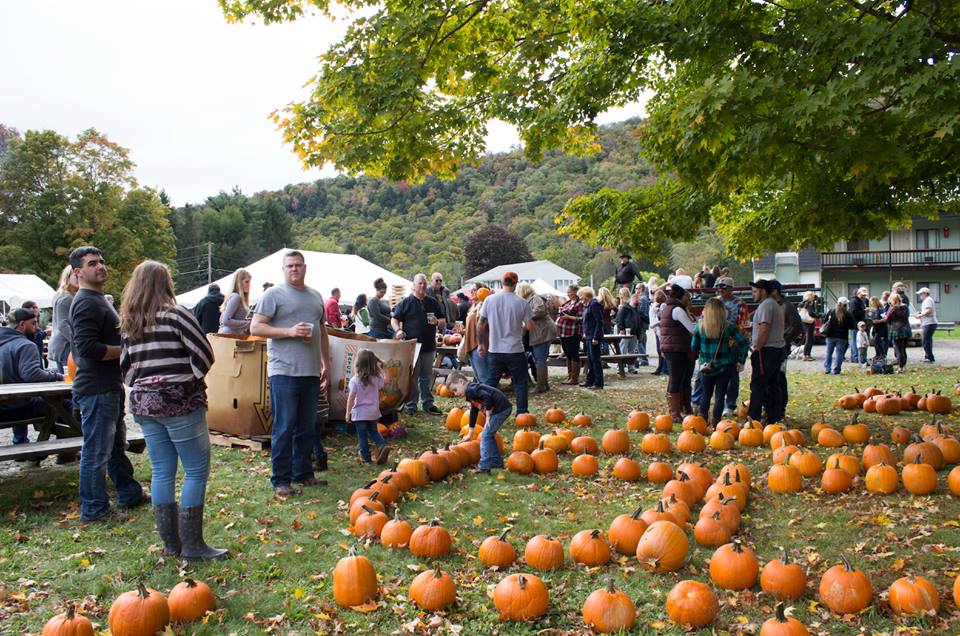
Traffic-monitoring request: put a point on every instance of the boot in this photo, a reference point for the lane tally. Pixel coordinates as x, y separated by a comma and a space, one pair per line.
685, 405
569, 379
542, 383
673, 406
194, 548
166, 518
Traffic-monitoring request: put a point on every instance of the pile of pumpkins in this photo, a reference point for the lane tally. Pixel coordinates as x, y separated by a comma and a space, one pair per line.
141, 612
874, 400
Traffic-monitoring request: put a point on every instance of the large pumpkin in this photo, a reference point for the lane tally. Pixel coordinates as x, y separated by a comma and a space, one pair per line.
431, 540
521, 597
68, 624
609, 610
432, 590
711, 531
659, 472
526, 441
590, 548
953, 482
663, 547
616, 441
544, 553
625, 532
354, 580
937, 403
520, 462
656, 444
453, 419
734, 567
544, 460
139, 612
190, 600
913, 595
845, 589
692, 603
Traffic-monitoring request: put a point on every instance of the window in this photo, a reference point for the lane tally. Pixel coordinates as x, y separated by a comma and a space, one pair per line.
928, 240
934, 290
858, 245
853, 287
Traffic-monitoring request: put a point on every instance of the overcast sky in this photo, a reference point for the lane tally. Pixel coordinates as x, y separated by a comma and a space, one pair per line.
186, 92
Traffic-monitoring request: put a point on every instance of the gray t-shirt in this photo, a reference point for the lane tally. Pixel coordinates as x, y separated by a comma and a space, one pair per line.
505, 313
771, 313
285, 306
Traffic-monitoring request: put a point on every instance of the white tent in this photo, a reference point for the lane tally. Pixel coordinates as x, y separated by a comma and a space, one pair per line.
352, 274
542, 287
15, 289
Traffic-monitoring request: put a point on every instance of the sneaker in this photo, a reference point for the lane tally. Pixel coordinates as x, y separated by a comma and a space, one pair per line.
144, 499
481, 471
313, 481
726, 413
433, 410
409, 411
111, 516
928, 361
382, 454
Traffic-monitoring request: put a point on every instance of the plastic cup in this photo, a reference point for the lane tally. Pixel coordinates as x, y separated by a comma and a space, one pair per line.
629, 331
309, 337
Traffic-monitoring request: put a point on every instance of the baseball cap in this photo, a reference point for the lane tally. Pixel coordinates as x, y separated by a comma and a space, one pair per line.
510, 278
775, 284
20, 314
923, 290
625, 255
762, 283
862, 290
724, 281
843, 300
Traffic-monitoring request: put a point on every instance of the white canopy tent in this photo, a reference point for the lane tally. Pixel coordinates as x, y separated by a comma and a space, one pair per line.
352, 274
544, 288
15, 289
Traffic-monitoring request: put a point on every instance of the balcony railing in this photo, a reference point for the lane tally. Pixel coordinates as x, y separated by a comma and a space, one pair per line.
894, 258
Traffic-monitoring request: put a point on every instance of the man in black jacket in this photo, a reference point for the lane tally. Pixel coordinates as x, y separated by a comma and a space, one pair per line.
207, 311
858, 309
626, 272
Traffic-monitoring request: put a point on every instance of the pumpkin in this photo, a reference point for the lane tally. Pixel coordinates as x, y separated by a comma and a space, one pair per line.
521, 597
750, 435
430, 540
870, 405
656, 444
699, 475
949, 448
608, 610
565, 433
582, 419
638, 421
436, 464
400, 480
913, 595
432, 590
358, 508
615, 442
721, 441
692, 603
874, 454
590, 548
769, 431
369, 524
544, 460
627, 470
734, 567
888, 405
953, 483
68, 624
848, 402
845, 589
919, 478
526, 441
729, 512
937, 403
913, 397
956, 591
659, 473
835, 480
807, 462
557, 443
882, 479
726, 488
190, 600
554, 416
453, 419
743, 410
663, 547
830, 438
784, 478
663, 423
584, 465
364, 491
712, 531
848, 463
465, 421
139, 612
677, 507
544, 553
783, 579
871, 391
738, 472
584, 444
694, 423
780, 438
684, 489
816, 428
497, 551
729, 426
396, 532
931, 453
900, 435
782, 454
525, 420
856, 433
416, 470
520, 462
625, 532
783, 625
390, 493
659, 513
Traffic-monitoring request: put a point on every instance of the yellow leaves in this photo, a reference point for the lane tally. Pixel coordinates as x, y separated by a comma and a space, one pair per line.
898, 565
858, 169
478, 520
882, 520
657, 625
299, 593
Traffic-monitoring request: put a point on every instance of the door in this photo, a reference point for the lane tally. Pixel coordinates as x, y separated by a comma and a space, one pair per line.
900, 240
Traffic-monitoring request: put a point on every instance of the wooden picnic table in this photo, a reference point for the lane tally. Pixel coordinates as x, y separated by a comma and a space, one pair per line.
54, 394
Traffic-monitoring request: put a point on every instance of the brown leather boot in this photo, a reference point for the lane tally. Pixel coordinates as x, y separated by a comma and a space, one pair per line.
685, 405
576, 373
542, 383
569, 378
673, 406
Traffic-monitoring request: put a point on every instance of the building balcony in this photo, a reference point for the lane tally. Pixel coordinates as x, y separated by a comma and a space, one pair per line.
898, 259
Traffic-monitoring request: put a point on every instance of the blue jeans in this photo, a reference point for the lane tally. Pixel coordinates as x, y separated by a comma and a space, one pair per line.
594, 363
733, 392
479, 364
697, 394
516, 365
293, 401
661, 359
381, 333
422, 382
489, 451
368, 429
104, 438
642, 344
854, 353
716, 386
31, 408
540, 353
183, 437
836, 347
926, 339
629, 345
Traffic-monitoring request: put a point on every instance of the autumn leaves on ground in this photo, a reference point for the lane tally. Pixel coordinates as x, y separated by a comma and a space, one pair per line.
280, 578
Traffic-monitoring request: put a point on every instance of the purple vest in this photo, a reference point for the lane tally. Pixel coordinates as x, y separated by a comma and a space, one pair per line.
674, 337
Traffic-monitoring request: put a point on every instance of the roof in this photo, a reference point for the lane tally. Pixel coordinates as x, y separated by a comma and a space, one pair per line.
15, 289
528, 271
351, 273
808, 260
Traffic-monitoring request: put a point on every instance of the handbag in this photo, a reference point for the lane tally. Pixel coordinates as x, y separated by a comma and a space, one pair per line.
825, 325
707, 367
805, 316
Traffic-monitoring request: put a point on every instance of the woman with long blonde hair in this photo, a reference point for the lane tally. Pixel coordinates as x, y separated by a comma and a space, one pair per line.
61, 337
722, 351
164, 357
236, 306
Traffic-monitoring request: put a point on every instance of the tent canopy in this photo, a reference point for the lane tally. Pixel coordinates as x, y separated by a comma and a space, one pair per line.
15, 289
544, 288
352, 274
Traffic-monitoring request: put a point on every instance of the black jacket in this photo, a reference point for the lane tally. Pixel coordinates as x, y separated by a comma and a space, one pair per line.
627, 318
207, 312
859, 310
836, 328
626, 273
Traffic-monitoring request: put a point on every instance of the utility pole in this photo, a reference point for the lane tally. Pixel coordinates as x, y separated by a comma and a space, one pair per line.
209, 262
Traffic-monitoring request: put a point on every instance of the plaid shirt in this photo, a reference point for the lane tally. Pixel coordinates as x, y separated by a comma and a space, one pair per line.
569, 325
733, 348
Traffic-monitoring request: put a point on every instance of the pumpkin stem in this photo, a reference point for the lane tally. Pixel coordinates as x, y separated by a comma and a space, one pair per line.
784, 557
396, 515
683, 477
660, 506
781, 616
729, 499
142, 590
737, 546
636, 513
386, 480
610, 586
522, 581
434, 522
856, 416
846, 562
916, 460
369, 485
436, 571
716, 514
503, 535
71, 611
367, 508
594, 534
190, 582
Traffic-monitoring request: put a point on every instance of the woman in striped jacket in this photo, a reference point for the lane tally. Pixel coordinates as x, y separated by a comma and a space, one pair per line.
164, 358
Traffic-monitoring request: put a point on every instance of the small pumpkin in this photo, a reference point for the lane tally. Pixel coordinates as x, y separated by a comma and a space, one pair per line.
830, 438
497, 551
835, 480
590, 548
521, 597
677, 507
544, 553
68, 624
844, 589
694, 423
557, 443
783, 579
721, 441
693, 604
919, 478
807, 462
750, 435
900, 435
608, 610
711, 531
582, 419
625, 532
616, 441
659, 472
525, 420
369, 524
431, 540
882, 479
416, 470
656, 444
658, 513
544, 460
691, 442
931, 453
584, 444
432, 590
855, 432
663, 424
784, 478
139, 612
525, 441
638, 421
190, 600
783, 625
584, 465
913, 595
874, 454
683, 488
734, 566
401, 481
953, 482
396, 532
554, 416
663, 547
848, 463
452, 421
937, 403
627, 469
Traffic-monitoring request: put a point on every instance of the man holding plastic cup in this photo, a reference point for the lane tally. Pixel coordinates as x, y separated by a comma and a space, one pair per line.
289, 315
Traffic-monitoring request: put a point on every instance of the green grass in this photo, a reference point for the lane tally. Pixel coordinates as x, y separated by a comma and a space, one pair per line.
284, 552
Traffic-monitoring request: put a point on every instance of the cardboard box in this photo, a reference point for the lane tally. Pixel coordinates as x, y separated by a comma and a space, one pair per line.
238, 392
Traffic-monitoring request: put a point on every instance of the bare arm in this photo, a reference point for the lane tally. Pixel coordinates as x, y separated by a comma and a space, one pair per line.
325, 365
351, 399
260, 326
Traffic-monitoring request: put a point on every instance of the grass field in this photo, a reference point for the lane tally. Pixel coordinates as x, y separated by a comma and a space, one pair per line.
279, 579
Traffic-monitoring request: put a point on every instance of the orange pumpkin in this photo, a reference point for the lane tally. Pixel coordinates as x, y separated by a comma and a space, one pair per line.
521, 597
432, 590
544, 553
590, 548
783, 579
140, 611
919, 478
638, 421
520, 462
784, 478
190, 600
663, 423
525, 441
544, 460
734, 567
497, 551
656, 444
584, 444
659, 472
584, 465
525, 420
554, 416
615, 442
625, 532
913, 595
608, 610
396, 532
453, 419
882, 479
431, 540
845, 589
663, 547
582, 419
68, 624
953, 481
691, 442
627, 470
693, 604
